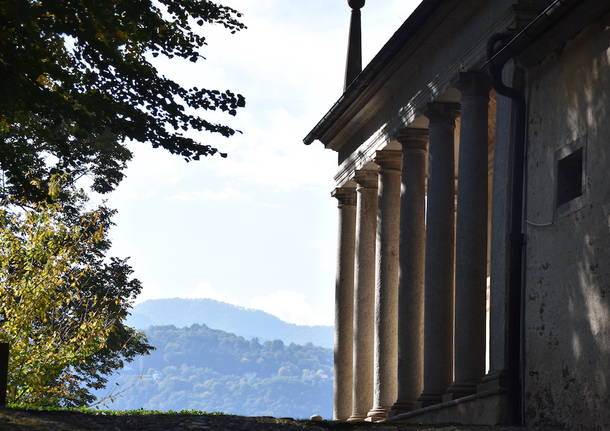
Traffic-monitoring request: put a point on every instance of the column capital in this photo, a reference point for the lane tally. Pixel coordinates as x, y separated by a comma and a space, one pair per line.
442, 112
356, 4
474, 84
413, 139
366, 179
389, 159
345, 195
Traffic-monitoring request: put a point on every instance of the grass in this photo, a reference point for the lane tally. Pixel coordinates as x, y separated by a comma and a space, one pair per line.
94, 411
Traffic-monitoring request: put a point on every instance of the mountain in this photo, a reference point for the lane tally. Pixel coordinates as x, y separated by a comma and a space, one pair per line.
211, 370
245, 322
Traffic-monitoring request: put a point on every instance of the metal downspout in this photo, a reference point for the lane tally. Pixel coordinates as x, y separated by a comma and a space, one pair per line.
515, 315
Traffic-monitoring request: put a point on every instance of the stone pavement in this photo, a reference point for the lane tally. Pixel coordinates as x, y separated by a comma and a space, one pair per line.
21, 420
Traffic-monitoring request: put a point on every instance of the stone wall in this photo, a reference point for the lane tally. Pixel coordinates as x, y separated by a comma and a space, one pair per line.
567, 297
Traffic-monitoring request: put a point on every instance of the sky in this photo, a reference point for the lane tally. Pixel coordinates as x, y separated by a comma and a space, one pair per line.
257, 229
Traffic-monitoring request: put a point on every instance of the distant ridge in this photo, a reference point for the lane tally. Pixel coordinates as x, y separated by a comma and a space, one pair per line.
245, 322
198, 368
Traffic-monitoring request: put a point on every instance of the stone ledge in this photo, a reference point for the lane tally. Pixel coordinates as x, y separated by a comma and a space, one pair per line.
31, 420
482, 408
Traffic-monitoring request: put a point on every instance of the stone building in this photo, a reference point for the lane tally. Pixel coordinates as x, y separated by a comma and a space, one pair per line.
473, 155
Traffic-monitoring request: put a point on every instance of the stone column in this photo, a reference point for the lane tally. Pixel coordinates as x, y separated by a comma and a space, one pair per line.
364, 292
344, 303
471, 235
440, 232
411, 269
386, 285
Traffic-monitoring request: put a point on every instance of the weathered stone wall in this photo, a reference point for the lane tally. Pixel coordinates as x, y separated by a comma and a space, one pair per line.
567, 298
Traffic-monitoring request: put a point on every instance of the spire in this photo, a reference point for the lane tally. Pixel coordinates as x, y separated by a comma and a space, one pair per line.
354, 48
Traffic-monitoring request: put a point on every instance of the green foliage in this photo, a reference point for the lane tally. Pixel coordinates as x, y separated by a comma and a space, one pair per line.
205, 369
62, 303
77, 82
93, 411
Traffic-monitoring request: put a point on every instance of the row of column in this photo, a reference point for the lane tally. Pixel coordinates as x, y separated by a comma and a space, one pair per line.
405, 264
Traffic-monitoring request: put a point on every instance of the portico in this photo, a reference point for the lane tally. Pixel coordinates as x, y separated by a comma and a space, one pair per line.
420, 135
413, 234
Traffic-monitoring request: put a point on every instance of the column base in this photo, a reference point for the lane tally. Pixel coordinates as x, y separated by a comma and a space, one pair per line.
459, 390
400, 407
428, 399
378, 414
493, 380
356, 418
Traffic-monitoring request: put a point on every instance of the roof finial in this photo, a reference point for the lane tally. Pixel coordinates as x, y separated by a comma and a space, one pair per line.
354, 48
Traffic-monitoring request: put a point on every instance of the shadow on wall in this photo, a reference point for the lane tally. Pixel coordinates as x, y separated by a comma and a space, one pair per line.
568, 266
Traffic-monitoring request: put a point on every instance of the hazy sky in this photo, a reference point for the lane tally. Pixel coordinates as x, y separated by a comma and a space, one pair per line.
257, 229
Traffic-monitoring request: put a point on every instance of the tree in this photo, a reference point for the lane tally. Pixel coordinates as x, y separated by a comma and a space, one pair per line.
62, 302
207, 369
77, 83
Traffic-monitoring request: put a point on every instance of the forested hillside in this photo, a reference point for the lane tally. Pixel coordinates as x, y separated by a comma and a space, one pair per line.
218, 315
205, 369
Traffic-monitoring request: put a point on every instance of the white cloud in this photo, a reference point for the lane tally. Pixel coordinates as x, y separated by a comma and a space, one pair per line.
204, 290
281, 65
272, 154
290, 306
207, 195
152, 291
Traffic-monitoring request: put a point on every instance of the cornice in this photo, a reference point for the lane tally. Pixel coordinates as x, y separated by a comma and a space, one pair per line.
344, 119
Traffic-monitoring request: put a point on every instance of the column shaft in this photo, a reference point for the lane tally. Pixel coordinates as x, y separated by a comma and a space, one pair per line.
386, 285
411, 270
364, 292
440, 232
471, 235
500, 267
344, 304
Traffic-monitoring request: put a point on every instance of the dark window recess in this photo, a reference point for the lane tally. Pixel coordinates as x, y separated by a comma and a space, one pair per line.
569, 177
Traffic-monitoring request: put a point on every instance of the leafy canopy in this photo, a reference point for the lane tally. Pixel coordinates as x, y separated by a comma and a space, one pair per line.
76, 83
62, 303
206, 369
